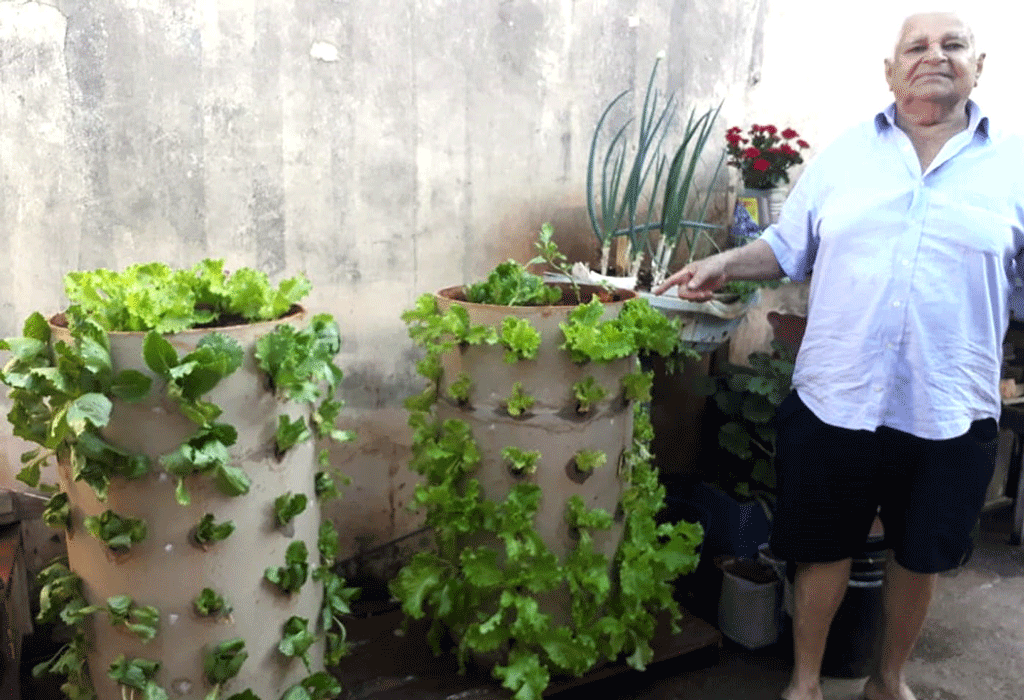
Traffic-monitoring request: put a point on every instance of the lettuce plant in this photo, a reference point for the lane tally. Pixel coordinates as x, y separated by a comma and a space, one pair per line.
63, 394
486, 597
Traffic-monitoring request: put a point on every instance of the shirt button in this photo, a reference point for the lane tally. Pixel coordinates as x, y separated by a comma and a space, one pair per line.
878, 389
896, 304
906, 263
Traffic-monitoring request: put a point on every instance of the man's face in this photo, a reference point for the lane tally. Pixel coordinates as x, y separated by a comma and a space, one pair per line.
934, 60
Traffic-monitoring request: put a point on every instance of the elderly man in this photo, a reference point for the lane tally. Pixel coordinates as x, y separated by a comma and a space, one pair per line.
913, 225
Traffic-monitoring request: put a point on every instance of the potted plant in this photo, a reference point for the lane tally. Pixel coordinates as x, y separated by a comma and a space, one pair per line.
649, 201
181, 407
736, 499
763, 156
532, 441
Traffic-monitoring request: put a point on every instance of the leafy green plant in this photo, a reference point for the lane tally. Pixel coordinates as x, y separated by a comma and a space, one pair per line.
64, 392
486, 597
222, 663
325, 487
518, 401
246, 694
209, 603
520, 338
588, 460
207, 531
328, 543
337, 603
60, 401
289, 433
511, 284
548, 253
297, 639
137, 674
748, 397
634, 190
117, 532
152, 296
300, 363
460, 388
70, 662
206, 452
141, 620
637, 385
638, 327
190, 377
57, 513
318, 686
290, 577
520, 461
60, 596
288, 505
588, 392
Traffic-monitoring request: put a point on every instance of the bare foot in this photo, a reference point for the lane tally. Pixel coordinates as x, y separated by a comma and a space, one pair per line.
791, 693
874, 690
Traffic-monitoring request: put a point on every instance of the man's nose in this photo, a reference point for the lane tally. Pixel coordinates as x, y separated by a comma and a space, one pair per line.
935, 52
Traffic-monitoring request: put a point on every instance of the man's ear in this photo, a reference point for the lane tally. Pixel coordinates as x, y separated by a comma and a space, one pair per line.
978, 66
888, 72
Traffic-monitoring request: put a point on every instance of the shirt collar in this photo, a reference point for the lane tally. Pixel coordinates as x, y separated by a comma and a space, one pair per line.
977, 122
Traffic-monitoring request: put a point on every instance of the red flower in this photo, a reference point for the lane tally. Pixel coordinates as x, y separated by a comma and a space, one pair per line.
765, 163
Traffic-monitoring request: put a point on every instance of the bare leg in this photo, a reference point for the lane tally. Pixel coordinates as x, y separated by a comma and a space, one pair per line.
906, 596
817, 594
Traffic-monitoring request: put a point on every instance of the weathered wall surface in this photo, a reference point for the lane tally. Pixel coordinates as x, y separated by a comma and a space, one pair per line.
385, 149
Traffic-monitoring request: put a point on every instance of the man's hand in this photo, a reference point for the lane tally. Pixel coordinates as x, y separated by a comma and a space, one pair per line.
698, 280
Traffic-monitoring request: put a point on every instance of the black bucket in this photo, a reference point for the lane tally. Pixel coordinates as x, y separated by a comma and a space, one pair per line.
853, 637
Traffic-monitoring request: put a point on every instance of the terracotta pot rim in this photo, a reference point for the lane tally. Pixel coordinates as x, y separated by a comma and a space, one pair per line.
458, 294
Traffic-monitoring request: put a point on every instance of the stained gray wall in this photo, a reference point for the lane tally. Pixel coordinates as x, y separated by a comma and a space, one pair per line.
383, 148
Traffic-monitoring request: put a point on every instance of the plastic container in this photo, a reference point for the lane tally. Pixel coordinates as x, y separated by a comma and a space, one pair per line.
748, 608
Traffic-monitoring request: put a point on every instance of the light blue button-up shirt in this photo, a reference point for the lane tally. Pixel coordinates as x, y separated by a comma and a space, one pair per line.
909, 300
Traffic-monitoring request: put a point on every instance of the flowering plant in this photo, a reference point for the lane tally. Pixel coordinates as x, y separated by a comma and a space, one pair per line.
765, 154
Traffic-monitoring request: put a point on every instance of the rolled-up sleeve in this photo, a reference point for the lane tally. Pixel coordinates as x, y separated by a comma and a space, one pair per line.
794, 240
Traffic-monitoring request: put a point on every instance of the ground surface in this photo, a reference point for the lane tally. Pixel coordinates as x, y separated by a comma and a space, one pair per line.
972, 647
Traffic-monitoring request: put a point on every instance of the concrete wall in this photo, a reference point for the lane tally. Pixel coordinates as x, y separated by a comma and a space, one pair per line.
385, 149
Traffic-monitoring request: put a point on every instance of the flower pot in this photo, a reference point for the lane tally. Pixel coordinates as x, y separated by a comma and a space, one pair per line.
167, 569
763, 205
748, 608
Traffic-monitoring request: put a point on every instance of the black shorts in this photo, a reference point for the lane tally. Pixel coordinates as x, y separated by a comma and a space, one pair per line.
833, 481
